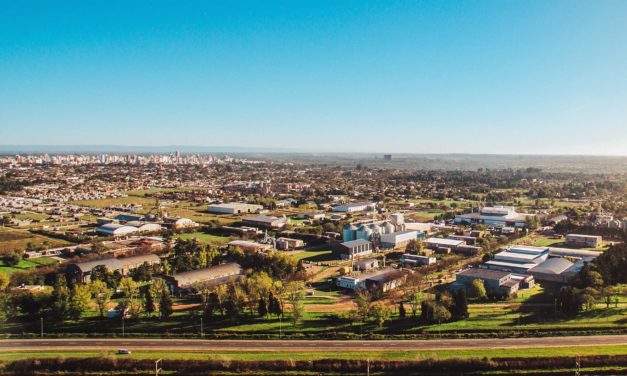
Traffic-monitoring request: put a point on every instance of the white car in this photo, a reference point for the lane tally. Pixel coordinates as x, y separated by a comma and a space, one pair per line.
124, 352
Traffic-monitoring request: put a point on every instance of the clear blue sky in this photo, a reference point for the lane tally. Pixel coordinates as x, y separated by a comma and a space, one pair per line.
533, 77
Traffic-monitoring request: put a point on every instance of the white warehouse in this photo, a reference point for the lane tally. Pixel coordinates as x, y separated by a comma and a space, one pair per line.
234, 208
398, 239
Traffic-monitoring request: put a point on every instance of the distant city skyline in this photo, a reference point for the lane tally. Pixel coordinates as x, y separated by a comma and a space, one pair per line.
476, 77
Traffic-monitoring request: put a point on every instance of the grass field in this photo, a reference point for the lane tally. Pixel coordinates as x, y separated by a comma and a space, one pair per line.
314, 355
25, 265
314, 256
205, 238
547, 241
14, 239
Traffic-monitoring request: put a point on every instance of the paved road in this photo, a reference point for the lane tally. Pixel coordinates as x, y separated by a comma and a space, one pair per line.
313, 345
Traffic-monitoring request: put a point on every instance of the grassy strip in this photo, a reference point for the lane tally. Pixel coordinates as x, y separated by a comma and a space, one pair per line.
344, 355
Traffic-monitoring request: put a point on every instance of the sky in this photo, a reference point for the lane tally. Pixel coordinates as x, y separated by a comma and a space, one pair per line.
514, 77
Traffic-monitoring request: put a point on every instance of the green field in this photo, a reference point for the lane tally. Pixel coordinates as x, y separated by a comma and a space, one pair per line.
204, 238
313, 256
25, 265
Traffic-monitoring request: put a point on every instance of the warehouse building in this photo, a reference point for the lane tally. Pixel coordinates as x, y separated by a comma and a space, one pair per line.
266, 221
416, 260
234, 208
116, 229
185, 282
354, 207
81, 271
494, 216
353, 249
398, 239
496, 282
578, 240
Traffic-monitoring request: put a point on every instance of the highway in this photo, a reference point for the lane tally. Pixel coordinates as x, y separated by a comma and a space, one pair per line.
303, 345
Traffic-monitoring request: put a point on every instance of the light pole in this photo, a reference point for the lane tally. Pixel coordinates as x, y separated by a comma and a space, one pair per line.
122, 323
41, 327
201, 328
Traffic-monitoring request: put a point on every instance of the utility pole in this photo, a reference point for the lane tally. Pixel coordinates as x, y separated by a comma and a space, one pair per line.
280, 327
157, 367
577, 366
202, 334
41, 327
122, 323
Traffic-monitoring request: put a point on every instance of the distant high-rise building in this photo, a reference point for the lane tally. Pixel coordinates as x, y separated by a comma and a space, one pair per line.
387, 157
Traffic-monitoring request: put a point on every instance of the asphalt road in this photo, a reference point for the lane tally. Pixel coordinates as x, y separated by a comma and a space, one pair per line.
312, 345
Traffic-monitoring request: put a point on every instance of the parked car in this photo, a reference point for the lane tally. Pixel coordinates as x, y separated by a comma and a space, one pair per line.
124, 351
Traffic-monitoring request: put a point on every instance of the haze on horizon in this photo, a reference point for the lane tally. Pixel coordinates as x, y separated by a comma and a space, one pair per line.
352, 76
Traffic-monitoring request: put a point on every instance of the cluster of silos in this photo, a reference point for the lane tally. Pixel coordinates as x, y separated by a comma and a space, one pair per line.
354, 231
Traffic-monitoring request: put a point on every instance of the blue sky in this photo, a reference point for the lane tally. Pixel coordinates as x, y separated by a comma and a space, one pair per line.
532, 77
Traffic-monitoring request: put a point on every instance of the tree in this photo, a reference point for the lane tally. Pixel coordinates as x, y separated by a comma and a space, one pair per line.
294, 293
363, 298
413, 299
4, 281
532, 222
257, 286
12, 258
459, 308
380, 314
98, 248
102, 295
477, 290
262, 307
60, 298
129, 288
588, 299
414, 246
234, 304
401, 310
149, 303
165, 303
441, 314
569, 301
79, 301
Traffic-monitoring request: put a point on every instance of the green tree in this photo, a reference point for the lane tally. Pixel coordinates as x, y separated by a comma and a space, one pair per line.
477, 290
380, 314
414, 300
60, 298
294, 293
459, 308
165, 304
401, 310
363, 300
149, 303
4, 281
102, 295
79, 301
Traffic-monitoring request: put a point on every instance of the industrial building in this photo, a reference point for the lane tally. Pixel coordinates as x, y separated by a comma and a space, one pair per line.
265, 221
518, 259
185, 282
354, 207
234, 208
494, 216
368, 229
116, 229
416, 260
578, 240
496, 282
81, 271
397, 239
250, 246
384, 279
289, 243
353, 249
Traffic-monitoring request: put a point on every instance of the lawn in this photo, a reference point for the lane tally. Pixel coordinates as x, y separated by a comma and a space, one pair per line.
547, 241
314, 256
205, 238
25, 265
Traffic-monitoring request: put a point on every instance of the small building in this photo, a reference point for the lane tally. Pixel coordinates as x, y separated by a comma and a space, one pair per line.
289, 243
578, 240
353, 249
234, 208
180, 223
416, 260
384, 279
367, 264
494, 216
185, 282
266, 221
